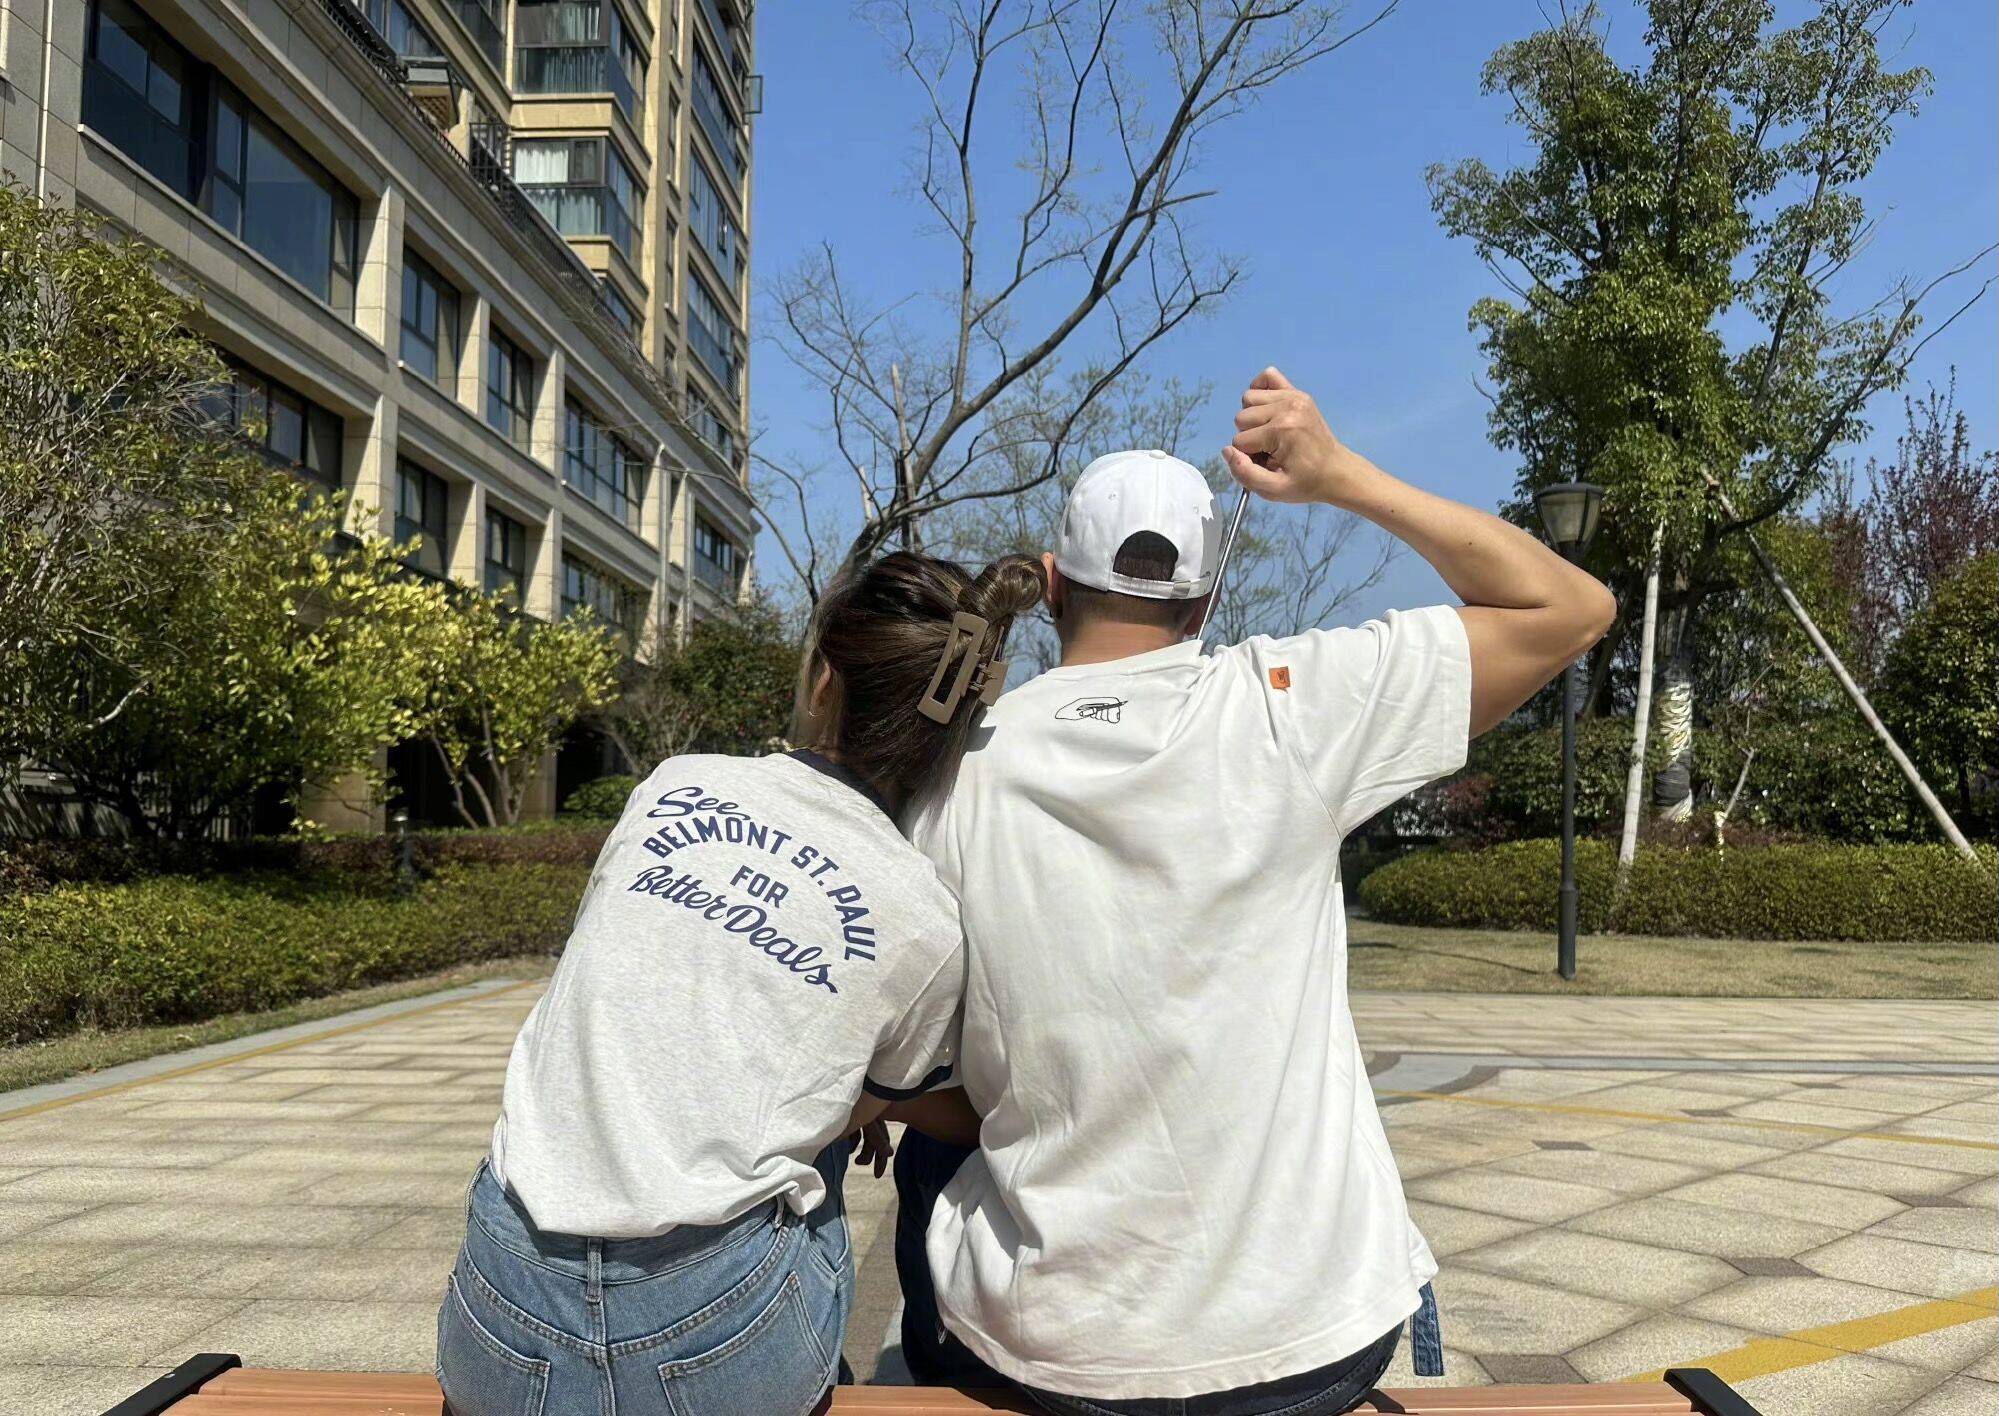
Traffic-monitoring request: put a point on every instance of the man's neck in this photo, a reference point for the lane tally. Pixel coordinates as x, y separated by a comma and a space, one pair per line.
1105, 641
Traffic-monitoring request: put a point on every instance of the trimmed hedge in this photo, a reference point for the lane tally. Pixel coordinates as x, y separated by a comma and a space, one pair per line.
170, 949
1814, 891
601, 800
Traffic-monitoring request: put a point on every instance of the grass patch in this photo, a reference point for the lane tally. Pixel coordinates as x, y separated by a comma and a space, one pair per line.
81, 1053
1414, 958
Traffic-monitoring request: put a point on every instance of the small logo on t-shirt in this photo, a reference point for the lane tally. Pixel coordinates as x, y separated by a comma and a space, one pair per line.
1280, 678
1095, 710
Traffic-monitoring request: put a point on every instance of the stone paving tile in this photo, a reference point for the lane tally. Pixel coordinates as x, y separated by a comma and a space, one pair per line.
1963, 1228
1951, 1349
1437, 1147
1512, 1196
1875, 1176
1640, 1274
1627, 1174
1773, 1195
1460, 1369
19, 1219
1955, 1158
306, 1226
1934, 1270
113, 1330
1449, 1230
33, 1267
1670, 1143
1851, 1386
1652, 1343
1706, 1229
1784, 1305
69, 1391
280, 1272
247, 1110
91, 1185
41, 1152
359, 1336
1957, 1396
1490, 1313
480, 1112
426, 1229
419, 1189
447, 1160
1979, 1192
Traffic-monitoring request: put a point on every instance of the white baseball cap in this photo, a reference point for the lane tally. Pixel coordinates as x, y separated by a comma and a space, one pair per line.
1124, 493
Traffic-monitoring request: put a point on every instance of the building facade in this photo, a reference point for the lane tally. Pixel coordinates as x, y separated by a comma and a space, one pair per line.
480, 263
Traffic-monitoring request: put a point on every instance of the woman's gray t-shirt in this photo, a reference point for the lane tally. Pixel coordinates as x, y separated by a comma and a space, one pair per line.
758, 945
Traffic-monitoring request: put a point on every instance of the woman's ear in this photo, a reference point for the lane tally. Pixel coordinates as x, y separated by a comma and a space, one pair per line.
815, 704
824, 700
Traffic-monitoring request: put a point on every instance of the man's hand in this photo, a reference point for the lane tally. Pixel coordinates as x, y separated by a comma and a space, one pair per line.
874, 1147
1283, 449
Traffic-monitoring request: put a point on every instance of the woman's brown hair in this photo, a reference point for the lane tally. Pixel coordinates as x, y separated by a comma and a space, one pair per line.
884, 628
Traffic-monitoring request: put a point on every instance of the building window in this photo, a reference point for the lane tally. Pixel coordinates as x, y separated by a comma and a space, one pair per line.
710, 334
579, 46
430, 321
713, 227
506, 556
607, 470
423, 505
621, 308
486, 22
510, 390
289, 429
716, 558
583, 187
709, 427
711, 110
404, 32
586, 587
190, 128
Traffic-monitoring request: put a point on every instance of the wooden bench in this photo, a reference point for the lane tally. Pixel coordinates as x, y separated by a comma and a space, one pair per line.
217, 1384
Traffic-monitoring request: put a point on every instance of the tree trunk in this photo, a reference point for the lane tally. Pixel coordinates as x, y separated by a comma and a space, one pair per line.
1673, 784
1853, 690
1641, 721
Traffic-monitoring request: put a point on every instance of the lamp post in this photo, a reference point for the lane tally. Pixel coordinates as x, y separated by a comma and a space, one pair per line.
1569, 514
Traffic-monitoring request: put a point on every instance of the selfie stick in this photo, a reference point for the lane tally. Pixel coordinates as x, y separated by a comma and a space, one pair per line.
1222, 569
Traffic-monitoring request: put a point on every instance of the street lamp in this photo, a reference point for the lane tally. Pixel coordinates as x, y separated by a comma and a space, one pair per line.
1569, 515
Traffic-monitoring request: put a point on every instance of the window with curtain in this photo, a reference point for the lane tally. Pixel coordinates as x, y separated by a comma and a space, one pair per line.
583, 187
510, 390
423, 508
429, 321
579, 46
189, 127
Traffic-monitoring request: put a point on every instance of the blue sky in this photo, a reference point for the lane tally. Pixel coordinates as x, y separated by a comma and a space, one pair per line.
1351, 286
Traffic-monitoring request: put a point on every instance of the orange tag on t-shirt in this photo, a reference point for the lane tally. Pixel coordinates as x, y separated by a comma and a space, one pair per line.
1280, 677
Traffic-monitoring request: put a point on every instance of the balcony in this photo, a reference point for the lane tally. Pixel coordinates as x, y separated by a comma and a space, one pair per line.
486, 28
434, 84
565, 69
585, 211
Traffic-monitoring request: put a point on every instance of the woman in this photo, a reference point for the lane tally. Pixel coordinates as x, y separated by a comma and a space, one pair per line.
760, 965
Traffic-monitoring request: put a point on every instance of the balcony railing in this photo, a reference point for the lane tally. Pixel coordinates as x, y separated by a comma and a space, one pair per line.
720, 359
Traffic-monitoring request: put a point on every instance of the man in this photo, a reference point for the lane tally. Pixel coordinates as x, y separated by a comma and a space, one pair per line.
1182, 1188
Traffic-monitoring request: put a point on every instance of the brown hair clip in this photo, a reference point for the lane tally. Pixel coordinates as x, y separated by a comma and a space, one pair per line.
981, 675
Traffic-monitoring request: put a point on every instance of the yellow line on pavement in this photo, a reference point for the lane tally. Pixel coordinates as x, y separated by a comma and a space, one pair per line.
112, 1090
1809, 1128
1807, 1346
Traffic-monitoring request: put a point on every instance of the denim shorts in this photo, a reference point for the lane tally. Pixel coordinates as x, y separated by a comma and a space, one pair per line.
700, 1321
1324, 1392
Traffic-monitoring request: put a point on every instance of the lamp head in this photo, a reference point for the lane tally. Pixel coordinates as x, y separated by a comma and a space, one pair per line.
1570, 512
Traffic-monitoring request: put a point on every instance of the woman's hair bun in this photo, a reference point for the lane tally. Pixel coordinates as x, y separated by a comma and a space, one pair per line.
1010, 586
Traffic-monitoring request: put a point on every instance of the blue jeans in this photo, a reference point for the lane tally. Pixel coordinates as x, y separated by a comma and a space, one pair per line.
923, 1167
701, 1321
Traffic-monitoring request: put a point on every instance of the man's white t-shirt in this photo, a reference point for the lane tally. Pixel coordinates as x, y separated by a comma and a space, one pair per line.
1183, 1185
758, 945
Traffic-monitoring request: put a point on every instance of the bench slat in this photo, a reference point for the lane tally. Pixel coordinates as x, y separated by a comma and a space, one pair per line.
266, 1381
306, 1404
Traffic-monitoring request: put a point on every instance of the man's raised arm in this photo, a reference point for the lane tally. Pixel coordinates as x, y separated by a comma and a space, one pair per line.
1527, 612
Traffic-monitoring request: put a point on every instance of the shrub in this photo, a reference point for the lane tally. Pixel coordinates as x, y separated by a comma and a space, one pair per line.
601, 800
171, 949
1812, 891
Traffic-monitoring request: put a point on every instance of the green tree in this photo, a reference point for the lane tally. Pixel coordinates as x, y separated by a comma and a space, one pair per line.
504, 688
280, 661
1940, 684
1670, 252
727, 687
109, 466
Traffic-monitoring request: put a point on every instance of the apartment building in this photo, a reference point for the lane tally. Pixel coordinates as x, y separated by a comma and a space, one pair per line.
480, 263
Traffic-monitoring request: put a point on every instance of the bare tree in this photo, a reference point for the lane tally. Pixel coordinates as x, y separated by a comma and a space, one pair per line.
1294, 568
1058, 291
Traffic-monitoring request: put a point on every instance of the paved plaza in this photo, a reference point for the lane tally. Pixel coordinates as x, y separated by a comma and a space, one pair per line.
1800, 1194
